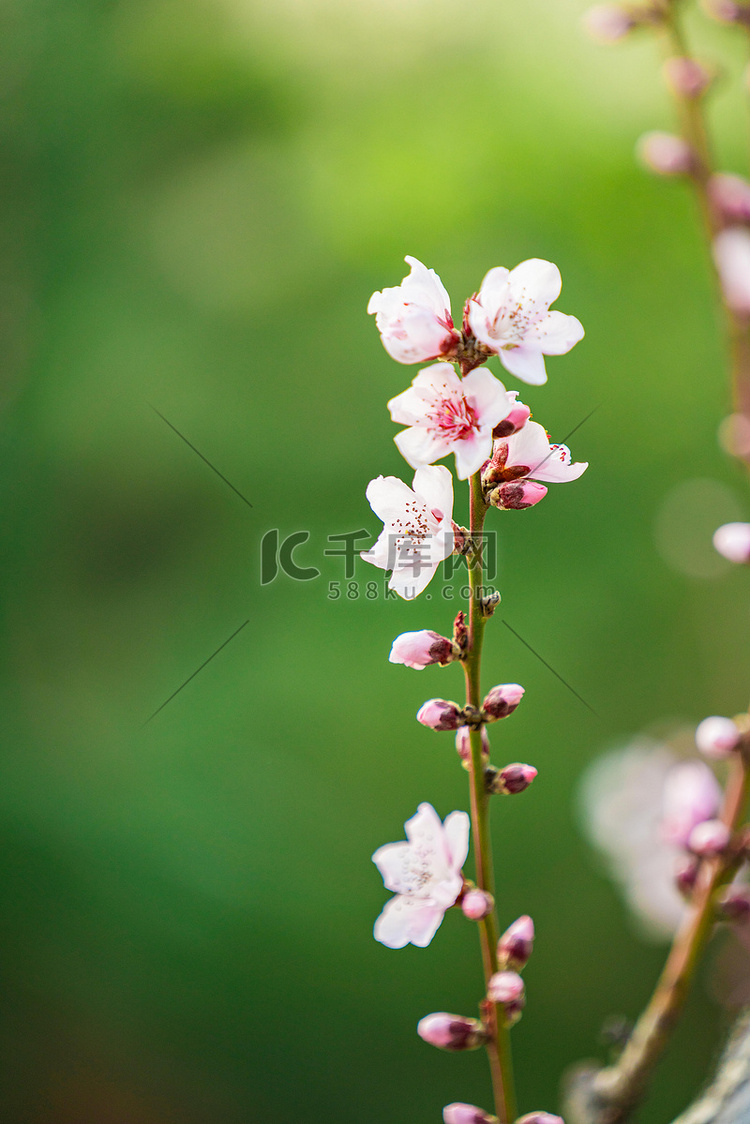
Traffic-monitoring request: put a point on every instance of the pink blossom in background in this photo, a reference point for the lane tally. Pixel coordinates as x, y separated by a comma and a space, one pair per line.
665, 154
510, 315
414, 318
732, 257
690, 796
732, 541
417, 527
730, 196
717, 736
425, 875
607, 23
447, 414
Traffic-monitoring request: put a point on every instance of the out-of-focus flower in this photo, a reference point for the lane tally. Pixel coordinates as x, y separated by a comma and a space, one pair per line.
414, 318
691, 795
730, 196
686, 77
505, 987
733, 541
717, 737
510, 315
540, 1118
665, 154
458, 1113
417, 527
709, 838
516, 944
420, 649
451, 1032
463, 745
447, 414
425, 875
608, 23
732, 257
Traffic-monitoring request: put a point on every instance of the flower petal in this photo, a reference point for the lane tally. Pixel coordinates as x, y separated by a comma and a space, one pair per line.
388, 496
393, 862
525, 363
434, 485
556, 333
419, 447
407, 921
534, 284
456, 827
472, 452
487, 396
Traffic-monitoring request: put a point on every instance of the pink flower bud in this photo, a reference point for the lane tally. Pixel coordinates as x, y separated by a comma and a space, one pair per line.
502, 701
516, 944
451, 1032
709, 838
505, 987
540, 1118
686, 875
717, 737
686, 77
463, 745
732, 257
691, 795
734, 903
515, 420
730, 196
733, 541
439, 714
665, 154
515, 495
608, 23
419, 649
477, 905
510, 780
466, 1114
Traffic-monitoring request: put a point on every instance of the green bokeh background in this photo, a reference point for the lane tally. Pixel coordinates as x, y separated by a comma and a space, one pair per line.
199, 197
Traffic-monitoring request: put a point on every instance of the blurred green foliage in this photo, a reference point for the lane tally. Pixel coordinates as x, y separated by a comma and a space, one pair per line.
199, 197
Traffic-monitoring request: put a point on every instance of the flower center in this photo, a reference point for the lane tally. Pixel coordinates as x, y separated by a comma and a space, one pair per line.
453, 418
511, 324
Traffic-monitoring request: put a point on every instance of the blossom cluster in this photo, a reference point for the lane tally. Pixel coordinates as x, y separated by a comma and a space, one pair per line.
457, 407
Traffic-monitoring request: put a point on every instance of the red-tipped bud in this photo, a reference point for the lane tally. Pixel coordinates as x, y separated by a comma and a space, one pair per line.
540, 1118
439, 714
516, 944
686, 874
420, 649
514, 421
608, 23
502, 701
451, 1032
477, 905
463, 746
717, 737
730, 196
665, 154
733, 541
686, 77
515, 495
734, 903
510, 780
466, 1114
709, 838
505, 987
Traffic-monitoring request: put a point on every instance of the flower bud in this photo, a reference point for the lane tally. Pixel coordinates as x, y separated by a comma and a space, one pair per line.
510, 780
709, 838
451, 1032
439, 714
466, 1114
665, 154
686, 875
730, 196
502, 701
717, 737
686, 77
734, 903
514, 421
505, 987
731, 249
477, 904
463, 745
608, 23
420, 649
516, 944
515, 495
540, 1118
733, 541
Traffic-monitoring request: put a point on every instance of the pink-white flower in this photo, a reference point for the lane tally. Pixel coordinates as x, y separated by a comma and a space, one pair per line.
510, 315
414, 318
732, 257
447, 414
425, 875
691, 796
732, 540
528, 454
417, 527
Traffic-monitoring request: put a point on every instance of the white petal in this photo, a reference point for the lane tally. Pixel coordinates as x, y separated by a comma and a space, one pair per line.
487, 397
393, 862
528, 448
556, 333
408, 408
556, 467
424, 285
407, 921
525, 363
439, 378
429, 845
472, 452
480, 322
418, 446
456, 827
409, 583
380, 553
494, 288
434, 484
535, 284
